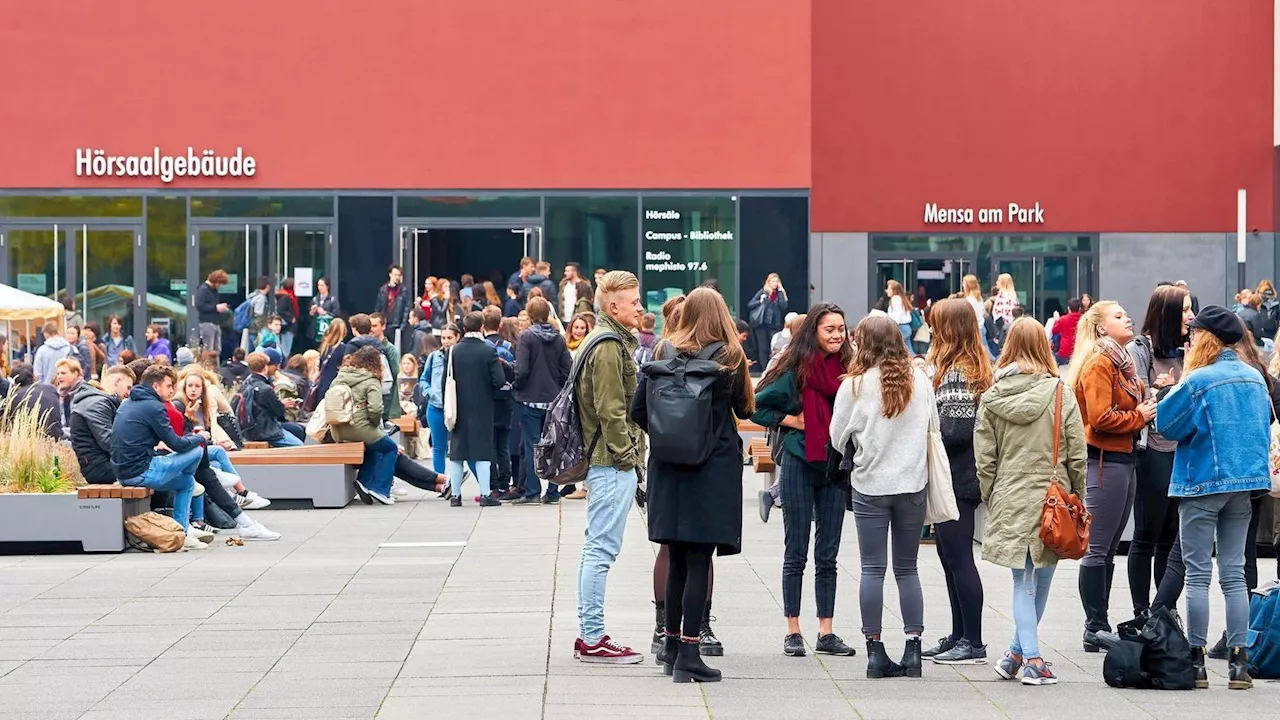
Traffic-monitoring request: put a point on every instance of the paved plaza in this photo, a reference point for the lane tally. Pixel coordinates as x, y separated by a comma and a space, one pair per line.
423, 611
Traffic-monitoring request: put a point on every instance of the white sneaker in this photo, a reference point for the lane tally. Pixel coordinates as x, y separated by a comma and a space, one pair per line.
252, 501
203, 536
399, 491
258, 531
225, 479
384, 499
193, 543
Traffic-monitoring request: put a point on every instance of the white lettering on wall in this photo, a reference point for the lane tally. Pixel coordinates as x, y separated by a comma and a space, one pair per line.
1014, 213
95, 162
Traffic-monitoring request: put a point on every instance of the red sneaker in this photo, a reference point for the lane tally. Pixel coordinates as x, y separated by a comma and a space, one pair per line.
577, 648
607, 652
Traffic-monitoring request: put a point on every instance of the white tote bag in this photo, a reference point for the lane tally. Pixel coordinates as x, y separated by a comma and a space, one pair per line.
451, 395
940, 498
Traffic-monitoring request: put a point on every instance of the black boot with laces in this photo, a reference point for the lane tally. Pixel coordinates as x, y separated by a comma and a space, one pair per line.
708, 644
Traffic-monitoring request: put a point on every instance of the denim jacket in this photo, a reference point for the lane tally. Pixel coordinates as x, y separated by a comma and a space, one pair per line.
1220, 416
432, 380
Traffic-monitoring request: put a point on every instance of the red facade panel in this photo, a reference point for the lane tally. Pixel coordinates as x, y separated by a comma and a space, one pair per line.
1143, 115
414, 93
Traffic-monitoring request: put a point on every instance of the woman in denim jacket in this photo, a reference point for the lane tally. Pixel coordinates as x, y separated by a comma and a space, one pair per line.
431, 382
1218, 416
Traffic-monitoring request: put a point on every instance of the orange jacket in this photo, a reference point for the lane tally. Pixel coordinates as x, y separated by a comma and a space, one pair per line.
1109, 410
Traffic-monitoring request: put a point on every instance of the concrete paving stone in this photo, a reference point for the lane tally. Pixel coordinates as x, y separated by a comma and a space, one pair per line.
392, 590
513, 625
491, 658
350, 648
374, 670
290, 691
653, 689
23, 650
330, 713
221, 690
168, 709
52, 633
463, 707
247, 617
344, 609
107, 647
45, 715
558, 711
455, 685
63, 672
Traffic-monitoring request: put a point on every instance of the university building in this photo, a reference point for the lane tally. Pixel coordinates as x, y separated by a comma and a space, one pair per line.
1088, 147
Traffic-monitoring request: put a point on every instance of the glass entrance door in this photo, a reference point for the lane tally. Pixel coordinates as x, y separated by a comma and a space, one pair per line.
235, 249
886, 270
300, 252
108, 272
485, 253
1044, 283
35, 258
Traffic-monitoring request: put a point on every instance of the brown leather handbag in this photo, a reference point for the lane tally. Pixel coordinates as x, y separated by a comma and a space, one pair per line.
1064, 521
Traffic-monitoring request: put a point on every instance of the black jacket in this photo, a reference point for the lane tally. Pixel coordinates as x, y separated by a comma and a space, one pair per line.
543, 363
477, 374
1254, 320
399, 315
284, 308
232, 373
140, 424
549, 289
43, 397
266, 410
700, 503
207, 304
502, 399
92, 414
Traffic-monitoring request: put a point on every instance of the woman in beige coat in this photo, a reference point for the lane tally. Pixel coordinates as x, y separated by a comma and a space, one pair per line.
1013, 447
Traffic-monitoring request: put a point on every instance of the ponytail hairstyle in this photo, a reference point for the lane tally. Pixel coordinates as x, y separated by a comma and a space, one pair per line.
1087, 335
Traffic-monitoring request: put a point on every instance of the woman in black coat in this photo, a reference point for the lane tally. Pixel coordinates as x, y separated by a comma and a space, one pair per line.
476, 374
696, 510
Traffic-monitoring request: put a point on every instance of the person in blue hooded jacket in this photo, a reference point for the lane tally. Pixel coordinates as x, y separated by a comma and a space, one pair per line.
1219, 414
432, 383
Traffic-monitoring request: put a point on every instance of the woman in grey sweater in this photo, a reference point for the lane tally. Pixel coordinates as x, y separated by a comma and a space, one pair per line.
884, 407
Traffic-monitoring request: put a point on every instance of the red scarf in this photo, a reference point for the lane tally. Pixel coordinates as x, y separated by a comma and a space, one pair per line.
819, 396
293, 300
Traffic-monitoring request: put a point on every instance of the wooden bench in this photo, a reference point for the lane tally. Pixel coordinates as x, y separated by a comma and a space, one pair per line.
318, 475
407, 438
764, 464
91, 518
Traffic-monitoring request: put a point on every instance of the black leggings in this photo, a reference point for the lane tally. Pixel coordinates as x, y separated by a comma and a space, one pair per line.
213, 490
662, 568
415, 473
1155, 526
964, 585
687, 587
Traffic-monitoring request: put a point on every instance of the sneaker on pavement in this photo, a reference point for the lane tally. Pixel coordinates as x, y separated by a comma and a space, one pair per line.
455, 502
964, 653
1037, 675
550, 499
193, 543
766, 504
577, 647
489, 501
252, 501
607, 652
578, 494
362, 492
793, 645
512, 494
1008, 666
523, 500
944, 644
258, 531
831, 644
204, 527
203, 536
384, 499
399, 491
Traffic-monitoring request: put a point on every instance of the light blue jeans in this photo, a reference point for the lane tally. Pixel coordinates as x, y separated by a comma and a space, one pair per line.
197, 508
175, 473
1030, 595
905, 329
286, 440
610, 492
479, 469
218, 458
286, 343
439, 438
1226, 517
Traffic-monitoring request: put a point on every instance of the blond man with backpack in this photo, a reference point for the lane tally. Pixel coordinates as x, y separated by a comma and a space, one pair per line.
353, 410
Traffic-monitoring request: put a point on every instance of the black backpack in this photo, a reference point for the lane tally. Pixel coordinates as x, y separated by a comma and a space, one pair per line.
1153, 652
678, 396
561, 457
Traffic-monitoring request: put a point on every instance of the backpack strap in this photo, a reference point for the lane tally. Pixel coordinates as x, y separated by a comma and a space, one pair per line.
577, 367
710, 351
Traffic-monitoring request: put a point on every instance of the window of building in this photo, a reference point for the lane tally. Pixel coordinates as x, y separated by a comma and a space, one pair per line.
469, 206
687, 241
595, 232
69, 206
246, 206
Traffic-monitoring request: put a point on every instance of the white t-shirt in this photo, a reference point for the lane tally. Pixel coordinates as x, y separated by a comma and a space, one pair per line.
569, 298
897, 312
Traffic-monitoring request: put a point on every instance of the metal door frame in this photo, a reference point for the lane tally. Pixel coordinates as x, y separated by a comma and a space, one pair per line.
1037, 271
407, 252
252, 231
269, 248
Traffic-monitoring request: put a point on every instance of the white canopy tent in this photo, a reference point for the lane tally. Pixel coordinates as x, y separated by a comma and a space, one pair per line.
17, 306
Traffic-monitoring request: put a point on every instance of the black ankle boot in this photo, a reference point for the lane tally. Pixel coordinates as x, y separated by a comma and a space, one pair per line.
1093, 596
911, 658
659, 626
666, 654
1238, 669
689, 666
1219, 649
878, 663
708, 644
1197, 664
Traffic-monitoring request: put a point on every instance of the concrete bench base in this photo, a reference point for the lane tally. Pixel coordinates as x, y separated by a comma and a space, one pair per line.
97, 524
321, 486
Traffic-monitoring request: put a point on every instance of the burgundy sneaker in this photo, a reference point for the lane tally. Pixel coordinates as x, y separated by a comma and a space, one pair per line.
577, 648
607, 652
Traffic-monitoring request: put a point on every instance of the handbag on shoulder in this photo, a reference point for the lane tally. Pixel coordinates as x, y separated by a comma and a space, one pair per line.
1064, 521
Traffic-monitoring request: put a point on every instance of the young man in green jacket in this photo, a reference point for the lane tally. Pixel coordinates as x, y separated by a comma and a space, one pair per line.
606, 384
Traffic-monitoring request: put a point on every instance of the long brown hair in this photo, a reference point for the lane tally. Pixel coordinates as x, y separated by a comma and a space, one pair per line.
803, 348
970, 288
1247, 350
895, 288
1027, 346
491, 294
878, 343
957, 345
334, 336
671, 314
207, 404
705, 319
1205, 350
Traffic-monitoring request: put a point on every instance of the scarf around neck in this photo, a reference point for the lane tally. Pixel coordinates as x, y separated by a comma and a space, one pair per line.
1123, 361
818, 396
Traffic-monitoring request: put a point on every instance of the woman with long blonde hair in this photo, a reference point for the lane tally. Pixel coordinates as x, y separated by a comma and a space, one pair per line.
899, 309
961, 373
1219, 416
696, 511
1013, 448
1005, 300
885, 408
1115, 408
767, 312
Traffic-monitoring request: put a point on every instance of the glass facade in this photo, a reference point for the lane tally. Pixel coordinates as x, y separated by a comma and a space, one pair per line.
140, 256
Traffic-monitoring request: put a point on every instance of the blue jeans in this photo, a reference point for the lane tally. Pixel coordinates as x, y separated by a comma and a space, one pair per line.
286, 440
905, 329
610, 494
174, 473
530, 432
218, 458
286, 343
1030, 595
379, 467
439, 438
197, 508
478, 468
1201, 519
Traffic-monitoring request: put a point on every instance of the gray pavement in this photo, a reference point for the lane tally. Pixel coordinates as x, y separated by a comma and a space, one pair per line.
474, 616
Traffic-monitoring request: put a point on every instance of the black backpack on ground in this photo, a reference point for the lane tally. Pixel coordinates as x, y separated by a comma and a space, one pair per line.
561, 456
679, 393
1153, 653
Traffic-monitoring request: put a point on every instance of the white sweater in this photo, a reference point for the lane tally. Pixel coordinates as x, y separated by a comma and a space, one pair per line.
890, 457
898, 312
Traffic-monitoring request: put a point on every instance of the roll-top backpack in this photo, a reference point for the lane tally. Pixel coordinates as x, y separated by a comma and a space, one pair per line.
561, 457
339, 405
153, 532
678, 395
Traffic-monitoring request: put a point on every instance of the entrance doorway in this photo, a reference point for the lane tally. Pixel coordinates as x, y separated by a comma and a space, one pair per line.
484, 253
940, 277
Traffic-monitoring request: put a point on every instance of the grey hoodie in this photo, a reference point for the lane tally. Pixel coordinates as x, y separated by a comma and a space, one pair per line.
47, 357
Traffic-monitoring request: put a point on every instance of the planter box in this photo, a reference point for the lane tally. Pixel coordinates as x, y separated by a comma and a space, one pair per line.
96, 523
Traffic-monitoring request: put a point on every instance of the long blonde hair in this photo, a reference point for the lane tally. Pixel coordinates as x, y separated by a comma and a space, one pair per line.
705, 319
334, 336
207, 403
1087, 337
957, 345
895, 288
878, 343
1005, 283
1205, 351
971, 288
1027, 346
